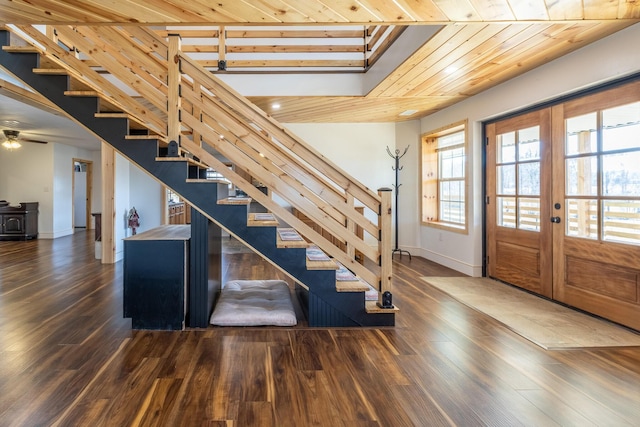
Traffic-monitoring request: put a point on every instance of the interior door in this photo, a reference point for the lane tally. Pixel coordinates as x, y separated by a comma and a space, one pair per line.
518, 171
596, 189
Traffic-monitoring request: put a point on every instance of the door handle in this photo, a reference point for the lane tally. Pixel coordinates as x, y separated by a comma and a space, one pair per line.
555, 219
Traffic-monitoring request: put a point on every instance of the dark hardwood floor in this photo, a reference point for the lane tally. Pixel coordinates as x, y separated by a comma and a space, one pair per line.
68, 358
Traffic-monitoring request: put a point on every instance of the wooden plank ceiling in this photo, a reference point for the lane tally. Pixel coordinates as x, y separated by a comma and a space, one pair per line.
311, 11
482, 42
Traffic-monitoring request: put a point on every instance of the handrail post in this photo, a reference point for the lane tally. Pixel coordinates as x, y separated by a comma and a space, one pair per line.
384, 248
174, 78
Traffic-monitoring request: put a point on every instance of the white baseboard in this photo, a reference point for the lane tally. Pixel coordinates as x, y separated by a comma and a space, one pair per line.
454, 264
55, 234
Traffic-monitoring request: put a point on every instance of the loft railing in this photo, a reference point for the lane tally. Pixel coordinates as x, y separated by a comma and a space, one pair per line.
179, 100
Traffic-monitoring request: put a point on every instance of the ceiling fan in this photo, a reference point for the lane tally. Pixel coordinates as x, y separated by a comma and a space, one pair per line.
13, 140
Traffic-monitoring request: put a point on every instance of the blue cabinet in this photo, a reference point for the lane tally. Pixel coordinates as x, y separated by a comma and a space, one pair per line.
155, 277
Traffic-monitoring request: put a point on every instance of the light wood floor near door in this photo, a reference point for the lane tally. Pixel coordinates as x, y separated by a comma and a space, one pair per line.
68, 358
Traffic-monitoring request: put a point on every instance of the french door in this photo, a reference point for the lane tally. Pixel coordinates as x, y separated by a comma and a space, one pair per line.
519, 245
573, 236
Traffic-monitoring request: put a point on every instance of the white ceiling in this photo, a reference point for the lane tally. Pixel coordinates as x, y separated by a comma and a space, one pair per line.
34, 123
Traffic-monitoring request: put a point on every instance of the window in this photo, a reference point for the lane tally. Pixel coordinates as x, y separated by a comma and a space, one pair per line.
444, 177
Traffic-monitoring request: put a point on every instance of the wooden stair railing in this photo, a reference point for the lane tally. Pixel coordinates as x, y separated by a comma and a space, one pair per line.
76, 68
202, 109
248, 148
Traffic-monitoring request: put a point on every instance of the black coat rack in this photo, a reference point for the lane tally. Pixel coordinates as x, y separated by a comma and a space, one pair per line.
397, 185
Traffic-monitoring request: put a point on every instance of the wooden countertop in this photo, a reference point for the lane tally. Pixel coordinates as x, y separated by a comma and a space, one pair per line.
165, 232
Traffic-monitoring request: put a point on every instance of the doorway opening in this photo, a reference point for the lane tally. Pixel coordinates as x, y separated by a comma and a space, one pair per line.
82, 189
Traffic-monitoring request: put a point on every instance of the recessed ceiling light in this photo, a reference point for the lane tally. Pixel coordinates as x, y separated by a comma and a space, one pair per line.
275, 106
451, 69
408, 113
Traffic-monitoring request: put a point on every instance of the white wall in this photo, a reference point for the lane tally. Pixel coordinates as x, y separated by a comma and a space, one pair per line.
605, 60
62, 189
358, 148
26, 175
121, 205
134, 188
145, 195
408, 135
42, 173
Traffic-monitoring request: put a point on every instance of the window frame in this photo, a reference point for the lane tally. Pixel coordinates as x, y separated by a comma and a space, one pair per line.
430, 181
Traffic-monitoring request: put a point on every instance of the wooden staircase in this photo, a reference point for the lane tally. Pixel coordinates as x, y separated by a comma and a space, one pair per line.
176, 154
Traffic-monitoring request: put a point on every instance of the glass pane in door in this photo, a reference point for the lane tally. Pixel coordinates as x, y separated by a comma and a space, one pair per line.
529, 214
621, 221
506, 179
621, 127
582, 176
529, 179
506, 148
506, 213
529, 143
621, 174
582, 134
582, 218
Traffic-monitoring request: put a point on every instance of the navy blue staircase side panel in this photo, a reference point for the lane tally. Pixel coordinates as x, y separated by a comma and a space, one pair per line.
350, 303
197, 317
322, 314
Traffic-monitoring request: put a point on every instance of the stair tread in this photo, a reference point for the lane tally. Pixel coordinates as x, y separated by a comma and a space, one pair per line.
134, 123
51, 71
346, 281
235, 201
106, 106
352, 286
289, 238
318, 260
260, 219
189, 160
372, 307
321, 265
209, 181
21, 49
80, 93
143, 137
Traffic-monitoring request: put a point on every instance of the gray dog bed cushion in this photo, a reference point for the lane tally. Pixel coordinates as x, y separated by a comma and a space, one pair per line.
254, 303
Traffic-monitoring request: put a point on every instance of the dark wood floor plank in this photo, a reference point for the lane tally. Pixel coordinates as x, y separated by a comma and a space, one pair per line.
494, 382
68, 357
562, 414
290, 396
580, 400
419, 406
159, 403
